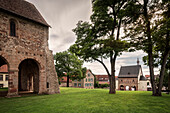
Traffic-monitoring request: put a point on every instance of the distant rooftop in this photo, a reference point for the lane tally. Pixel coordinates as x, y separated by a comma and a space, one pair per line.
129, 71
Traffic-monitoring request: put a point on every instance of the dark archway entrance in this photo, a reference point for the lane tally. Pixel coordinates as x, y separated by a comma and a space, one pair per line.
122, 87
28, 76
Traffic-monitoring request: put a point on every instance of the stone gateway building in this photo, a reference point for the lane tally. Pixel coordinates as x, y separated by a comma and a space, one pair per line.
131, 78
24, 48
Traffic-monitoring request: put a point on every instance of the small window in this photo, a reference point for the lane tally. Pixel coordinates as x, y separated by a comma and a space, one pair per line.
6, 78
86, 79
91, 79
88, 74
121, 80
1, 77
79, 84
147, 83
12, 28
47, 84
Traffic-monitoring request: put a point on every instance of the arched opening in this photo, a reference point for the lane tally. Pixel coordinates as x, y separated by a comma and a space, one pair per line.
127, 88
121, 87
3, 76
12, 28
28, 76
134, 88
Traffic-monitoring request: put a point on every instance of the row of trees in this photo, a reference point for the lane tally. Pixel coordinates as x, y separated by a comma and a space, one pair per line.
146, 25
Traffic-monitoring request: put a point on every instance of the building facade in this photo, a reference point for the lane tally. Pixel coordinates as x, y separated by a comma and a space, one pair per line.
87, 82
104, 79
4, 76
24, 49
131, 78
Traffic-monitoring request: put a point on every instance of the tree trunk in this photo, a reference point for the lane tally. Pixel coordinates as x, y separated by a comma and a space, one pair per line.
169, 82
112, 77
68, 77
161, 77
165, 57
150, 47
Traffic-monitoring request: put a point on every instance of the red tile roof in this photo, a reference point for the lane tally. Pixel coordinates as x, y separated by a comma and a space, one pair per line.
147, 76
4, 69
64, 80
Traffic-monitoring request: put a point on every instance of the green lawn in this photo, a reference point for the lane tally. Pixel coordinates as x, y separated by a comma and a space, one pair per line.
3, 89
75, 100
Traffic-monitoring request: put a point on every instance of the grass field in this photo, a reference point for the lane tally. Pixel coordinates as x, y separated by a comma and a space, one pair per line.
75, 100
3, 89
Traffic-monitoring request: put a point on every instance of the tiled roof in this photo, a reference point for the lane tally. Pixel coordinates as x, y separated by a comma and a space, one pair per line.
147, 76
142, 78
129, 71
23, 9
64, 80
4, 69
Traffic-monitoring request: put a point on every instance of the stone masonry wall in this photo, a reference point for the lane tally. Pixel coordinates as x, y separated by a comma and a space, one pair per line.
31, 42
128, 82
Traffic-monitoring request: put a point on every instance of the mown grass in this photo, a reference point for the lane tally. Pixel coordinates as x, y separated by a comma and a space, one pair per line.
75, 100
3, 89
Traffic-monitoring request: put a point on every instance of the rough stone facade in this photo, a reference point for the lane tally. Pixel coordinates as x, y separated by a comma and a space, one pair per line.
25, 54
130, 82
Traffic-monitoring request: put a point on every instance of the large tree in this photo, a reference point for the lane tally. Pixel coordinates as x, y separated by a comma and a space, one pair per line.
150, 32
68, 64
100, 39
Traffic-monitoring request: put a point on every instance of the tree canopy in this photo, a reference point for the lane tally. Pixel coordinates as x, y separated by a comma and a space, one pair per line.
68, 64
100, 39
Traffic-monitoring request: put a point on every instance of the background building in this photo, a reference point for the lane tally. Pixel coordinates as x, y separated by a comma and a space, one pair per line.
4, 76
131, 78
87, 82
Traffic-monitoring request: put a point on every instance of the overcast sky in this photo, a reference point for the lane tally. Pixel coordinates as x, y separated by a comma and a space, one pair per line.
62, 16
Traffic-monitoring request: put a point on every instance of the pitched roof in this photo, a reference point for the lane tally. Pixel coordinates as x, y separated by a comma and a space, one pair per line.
129, 71
64, 80
23, 9
142, 78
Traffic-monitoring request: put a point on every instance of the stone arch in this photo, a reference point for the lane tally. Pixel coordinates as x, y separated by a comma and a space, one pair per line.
39, 63
29, 75
122, 87
4, 75
134, 87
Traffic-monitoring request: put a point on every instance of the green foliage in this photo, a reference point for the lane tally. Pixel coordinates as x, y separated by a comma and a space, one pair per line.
67, 64
3, 89
98, 39
103, 85
78, 100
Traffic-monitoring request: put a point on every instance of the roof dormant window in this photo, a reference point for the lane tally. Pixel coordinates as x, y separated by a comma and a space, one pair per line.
12, 28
